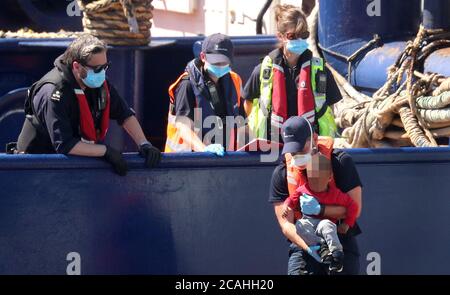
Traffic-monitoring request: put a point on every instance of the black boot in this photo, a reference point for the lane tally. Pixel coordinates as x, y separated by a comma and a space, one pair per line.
337, 263
325, 254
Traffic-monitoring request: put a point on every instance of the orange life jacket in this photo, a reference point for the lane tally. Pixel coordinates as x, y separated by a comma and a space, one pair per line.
297, 177
174, 142
87, 127
305, 94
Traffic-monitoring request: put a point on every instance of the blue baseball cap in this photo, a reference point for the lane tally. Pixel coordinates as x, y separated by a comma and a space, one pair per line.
295, 132
218, 49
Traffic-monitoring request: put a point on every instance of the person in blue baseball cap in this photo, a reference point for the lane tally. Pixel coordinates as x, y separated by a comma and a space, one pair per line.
302, 146
295, 132
217, 49
209, 89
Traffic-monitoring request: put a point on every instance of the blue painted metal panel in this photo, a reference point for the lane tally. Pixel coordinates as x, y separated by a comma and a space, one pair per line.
345, 26
345, 20
166, 221
180, 218
370, 73
438, 62
405, 208
11, 116
436, 14
203, 215
42, 15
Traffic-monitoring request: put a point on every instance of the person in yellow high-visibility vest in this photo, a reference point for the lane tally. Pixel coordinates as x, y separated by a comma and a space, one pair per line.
290, 82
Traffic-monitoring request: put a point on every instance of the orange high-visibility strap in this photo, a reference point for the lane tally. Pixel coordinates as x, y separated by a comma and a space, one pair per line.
174, 85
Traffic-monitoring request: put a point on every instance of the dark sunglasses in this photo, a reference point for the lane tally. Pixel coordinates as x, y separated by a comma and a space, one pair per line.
295, 36
99, 68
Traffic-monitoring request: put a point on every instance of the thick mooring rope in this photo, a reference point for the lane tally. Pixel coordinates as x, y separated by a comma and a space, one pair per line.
117, 22
401, 113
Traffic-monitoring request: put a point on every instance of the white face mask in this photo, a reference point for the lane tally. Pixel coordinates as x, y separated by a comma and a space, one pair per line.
302, 160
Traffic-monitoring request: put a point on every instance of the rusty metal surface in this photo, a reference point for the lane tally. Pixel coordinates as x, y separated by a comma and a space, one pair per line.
439, 62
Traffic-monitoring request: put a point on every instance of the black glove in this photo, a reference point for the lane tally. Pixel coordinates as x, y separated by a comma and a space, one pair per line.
116, 160
151, 154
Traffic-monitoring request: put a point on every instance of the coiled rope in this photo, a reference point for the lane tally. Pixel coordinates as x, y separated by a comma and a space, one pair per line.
117, 22
415, 112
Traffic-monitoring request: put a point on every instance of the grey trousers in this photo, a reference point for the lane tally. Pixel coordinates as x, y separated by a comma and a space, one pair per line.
314, 231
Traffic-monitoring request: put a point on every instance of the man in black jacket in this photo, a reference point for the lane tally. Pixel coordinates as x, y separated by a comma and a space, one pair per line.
69, 109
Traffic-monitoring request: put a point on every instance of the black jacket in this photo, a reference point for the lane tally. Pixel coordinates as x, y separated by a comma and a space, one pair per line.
53, 115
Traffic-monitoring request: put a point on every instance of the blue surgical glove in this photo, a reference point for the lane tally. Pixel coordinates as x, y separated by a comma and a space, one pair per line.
215, 149
309, 205
313, 252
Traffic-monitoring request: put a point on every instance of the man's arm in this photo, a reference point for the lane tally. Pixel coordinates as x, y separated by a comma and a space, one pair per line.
347, 180
337, 197
131, 125
287, 225
134, 129
356, 195
251, 90
107, 153
88, 150
151, 154
277, 196
248, 107
184, 112
124, 115
189, 136
340, 212
335, 212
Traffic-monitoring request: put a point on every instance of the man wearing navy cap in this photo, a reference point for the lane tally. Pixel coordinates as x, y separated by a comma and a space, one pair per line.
201, 100
301, 146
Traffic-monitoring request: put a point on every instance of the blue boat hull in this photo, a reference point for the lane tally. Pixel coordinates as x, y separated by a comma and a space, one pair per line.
202, 215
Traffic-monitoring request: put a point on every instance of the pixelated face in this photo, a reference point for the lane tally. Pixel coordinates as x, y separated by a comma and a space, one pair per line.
319, 170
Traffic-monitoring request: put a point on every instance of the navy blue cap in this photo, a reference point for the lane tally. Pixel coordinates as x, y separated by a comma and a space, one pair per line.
218, 49
295, 131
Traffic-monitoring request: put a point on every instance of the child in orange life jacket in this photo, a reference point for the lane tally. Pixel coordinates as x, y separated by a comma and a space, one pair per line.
314, 230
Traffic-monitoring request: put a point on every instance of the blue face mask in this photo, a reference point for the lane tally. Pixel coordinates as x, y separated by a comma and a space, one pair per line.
94, 80
297, 46
218, 71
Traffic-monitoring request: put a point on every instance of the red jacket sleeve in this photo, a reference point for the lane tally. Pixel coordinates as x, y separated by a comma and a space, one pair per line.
345, 200
292, 201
